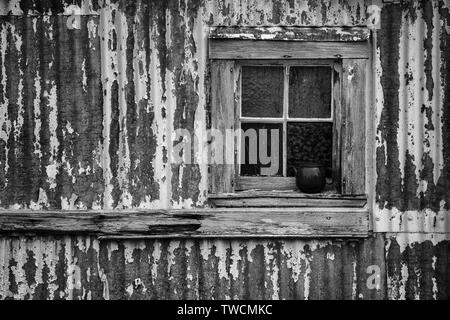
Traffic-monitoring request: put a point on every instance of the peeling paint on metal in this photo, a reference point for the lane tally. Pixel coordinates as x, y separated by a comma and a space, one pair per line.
86, 123
84, 268
417, 266
411, 158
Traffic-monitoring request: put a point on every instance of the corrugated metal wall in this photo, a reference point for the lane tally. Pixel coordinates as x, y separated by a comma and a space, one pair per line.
138, 71
84, 268
418, 266
413, 118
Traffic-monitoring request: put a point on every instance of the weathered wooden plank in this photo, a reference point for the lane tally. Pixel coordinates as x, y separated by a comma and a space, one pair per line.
214, 222
291, 33
286, 202
262, 49
353, 126
222, 121
284, 199
337, 118
285, 194
96, 223
265, 183
282, 222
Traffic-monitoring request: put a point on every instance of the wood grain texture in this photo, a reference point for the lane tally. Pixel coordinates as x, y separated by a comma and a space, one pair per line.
337, 119
353, 126
291, 33
224, 222
285, 222
265, 183
261, 49
285, 199
95, 223
222, 119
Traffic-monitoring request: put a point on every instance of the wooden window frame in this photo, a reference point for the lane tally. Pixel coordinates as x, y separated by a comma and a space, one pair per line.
350, 119
227, 54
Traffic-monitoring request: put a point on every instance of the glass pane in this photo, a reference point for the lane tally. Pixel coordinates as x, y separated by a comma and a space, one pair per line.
262, 149
262, 91
307, 143
310, 92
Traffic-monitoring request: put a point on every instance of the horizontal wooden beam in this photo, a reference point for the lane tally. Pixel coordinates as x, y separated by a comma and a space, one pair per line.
264, 49
94, 222
285, 199
287, 222
265, 183
338, 34
196, 223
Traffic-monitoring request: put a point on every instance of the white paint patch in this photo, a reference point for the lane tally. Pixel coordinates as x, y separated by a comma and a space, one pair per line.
83, 70
18, 123
408, 239
271, 262
438, 97
108, 69
5, 123
173, 245
404, 275
42, 201
123, 152
379, 97
129, 290
428, 221
402, 133
72, 9
157, 102
156, 256
435, 288
34, 25
51, 171
130, 246
354, 281
37, 115
92, 33
206, 247
69, 128
234, 259
298, 260
19, 255
69, 203
189, 245
53, 166
112, 246
50, 259
10, 7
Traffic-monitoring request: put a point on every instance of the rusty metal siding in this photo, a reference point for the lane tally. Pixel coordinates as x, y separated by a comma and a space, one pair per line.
86, 120
412, 103
84, 268
51, 113
418, 266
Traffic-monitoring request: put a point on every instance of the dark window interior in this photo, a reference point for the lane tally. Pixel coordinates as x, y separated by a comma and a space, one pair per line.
303, 118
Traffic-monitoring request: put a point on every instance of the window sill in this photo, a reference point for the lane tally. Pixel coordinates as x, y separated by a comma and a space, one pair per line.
344, 222
263, 199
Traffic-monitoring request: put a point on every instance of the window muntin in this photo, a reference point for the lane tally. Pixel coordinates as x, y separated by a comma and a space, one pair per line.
305, 107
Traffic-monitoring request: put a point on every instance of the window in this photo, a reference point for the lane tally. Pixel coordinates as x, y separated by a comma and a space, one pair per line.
296, 100
288, 108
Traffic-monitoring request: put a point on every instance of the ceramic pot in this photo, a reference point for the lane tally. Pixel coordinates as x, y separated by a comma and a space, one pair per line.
311, 177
